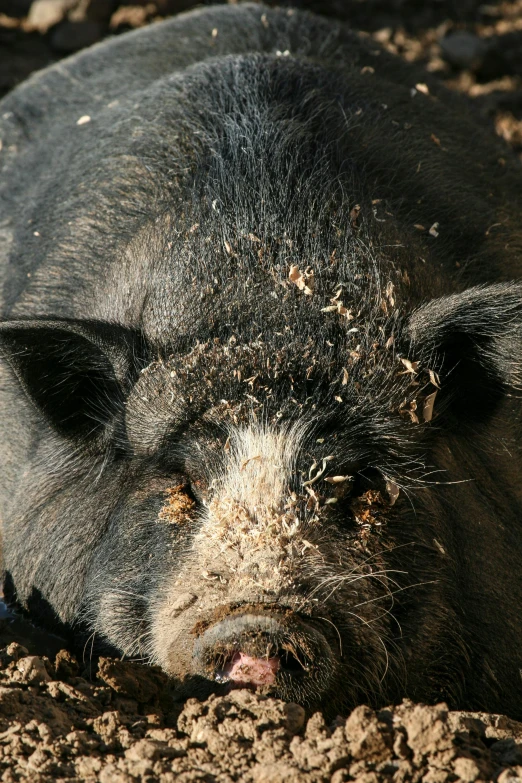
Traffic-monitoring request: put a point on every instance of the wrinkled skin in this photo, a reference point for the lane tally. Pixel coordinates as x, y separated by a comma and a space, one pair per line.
261, 361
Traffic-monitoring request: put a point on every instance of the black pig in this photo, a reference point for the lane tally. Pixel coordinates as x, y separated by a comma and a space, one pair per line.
261, 351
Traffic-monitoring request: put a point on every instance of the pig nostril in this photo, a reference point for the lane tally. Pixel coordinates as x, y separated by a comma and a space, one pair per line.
246, 668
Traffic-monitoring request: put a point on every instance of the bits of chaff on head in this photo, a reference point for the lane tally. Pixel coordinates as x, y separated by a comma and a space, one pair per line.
367, 507
393, 491
434, 378
247, 461
408, 408
313, 479
411, 367
336, 306
305, 281
389, 293
355, 212
314, 501
427, 408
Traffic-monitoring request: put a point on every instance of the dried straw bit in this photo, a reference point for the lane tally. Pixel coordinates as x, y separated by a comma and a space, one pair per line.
427, 408
367, 510
408, 409
337, 306
305, 281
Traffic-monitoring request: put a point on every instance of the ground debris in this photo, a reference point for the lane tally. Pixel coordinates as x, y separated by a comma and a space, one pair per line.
121, 723
117, 726
58, 725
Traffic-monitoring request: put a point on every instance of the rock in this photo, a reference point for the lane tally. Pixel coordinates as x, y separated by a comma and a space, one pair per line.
66, 665
16, 651
463, 50
510, 775
32, 670
367, 736
467, 770
276, 773
295, 717
144, 750
143, 683
428, 730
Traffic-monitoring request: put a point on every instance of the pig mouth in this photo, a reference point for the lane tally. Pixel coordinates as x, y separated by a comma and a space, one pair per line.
287, 657
246, 671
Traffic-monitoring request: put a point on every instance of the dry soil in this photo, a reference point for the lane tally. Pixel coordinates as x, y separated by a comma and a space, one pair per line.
120, 725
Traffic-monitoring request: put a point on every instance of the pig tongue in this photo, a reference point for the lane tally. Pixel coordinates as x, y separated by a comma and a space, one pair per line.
244, 670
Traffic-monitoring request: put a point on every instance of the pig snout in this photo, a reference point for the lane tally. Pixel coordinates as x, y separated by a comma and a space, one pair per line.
260, 651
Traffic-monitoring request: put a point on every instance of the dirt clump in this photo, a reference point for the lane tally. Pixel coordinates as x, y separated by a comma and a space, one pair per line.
178, 506
122, 725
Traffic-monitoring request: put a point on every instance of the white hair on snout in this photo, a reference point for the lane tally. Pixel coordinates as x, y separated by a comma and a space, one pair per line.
261, 461
253, 510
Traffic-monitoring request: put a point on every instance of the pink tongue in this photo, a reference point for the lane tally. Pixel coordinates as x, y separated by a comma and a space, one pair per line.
251, 671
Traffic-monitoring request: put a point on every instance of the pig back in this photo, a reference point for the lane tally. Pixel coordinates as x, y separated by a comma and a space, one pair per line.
63, 134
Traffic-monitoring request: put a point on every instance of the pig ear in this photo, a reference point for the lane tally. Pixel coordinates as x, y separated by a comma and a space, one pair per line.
475, 339
75, 372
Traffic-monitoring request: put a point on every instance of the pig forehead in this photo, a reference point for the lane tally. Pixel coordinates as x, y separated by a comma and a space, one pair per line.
195, 401
230, 325
192, 290
206, 282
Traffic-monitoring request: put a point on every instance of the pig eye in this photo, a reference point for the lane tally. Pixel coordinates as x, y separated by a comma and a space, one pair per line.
197, 489
368, 486
365, 483
191, 486
368, 479
365, 505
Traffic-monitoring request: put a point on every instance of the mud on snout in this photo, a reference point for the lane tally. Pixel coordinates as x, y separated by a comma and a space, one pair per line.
240, 612
283, 654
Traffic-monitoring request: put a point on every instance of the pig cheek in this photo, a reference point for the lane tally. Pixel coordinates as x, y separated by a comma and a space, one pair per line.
187, 597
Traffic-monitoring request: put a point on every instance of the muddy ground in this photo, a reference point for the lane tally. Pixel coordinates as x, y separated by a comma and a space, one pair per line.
117, 722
